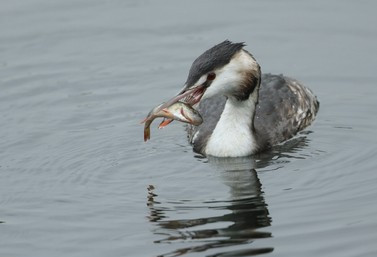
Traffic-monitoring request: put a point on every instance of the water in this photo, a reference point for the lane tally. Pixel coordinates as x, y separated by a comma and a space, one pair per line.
76, 178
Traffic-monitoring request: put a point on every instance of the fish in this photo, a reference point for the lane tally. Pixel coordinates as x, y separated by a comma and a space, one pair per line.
179, 111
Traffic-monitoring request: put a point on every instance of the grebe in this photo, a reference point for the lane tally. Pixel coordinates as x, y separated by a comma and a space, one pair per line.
244, 112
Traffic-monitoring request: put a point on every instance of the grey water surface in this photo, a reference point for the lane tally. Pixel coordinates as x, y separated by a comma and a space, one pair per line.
76, 178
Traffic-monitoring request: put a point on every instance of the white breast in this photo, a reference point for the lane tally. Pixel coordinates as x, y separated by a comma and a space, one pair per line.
233, 136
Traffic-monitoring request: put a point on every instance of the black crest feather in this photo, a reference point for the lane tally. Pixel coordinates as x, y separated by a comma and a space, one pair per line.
213, 58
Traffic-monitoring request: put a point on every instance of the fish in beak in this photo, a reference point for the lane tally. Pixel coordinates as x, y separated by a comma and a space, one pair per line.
180, 111
191, 96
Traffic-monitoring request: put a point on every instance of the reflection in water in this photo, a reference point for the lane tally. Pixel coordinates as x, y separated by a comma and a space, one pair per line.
245, 209
245, 212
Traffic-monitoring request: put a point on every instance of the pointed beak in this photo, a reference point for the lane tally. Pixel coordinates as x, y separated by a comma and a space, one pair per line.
196, 95
189, 95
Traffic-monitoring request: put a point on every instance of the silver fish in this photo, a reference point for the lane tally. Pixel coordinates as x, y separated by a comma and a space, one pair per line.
179, 111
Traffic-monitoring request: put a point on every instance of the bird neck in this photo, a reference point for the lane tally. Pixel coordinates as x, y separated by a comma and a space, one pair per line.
234, 133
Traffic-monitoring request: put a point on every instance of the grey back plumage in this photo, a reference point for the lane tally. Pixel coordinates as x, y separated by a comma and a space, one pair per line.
285, 107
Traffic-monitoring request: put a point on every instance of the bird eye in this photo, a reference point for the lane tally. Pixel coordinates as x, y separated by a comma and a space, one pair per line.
211, 76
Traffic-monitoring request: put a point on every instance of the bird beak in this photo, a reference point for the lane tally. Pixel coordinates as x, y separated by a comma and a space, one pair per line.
196, 94
190, 95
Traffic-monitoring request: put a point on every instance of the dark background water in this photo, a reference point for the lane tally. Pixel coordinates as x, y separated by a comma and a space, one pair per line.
76, 178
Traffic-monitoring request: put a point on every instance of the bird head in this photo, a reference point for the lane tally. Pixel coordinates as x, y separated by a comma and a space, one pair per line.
225, 69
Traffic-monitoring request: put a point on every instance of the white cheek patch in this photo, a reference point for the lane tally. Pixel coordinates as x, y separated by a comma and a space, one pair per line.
229, 77
218, 86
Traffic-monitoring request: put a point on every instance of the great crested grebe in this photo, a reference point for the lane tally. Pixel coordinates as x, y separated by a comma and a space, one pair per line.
244, 112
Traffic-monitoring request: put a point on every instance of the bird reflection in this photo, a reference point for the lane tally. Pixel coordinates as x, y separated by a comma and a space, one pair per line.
245, 214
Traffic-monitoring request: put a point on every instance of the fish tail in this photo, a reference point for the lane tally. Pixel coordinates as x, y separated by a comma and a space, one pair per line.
147, 134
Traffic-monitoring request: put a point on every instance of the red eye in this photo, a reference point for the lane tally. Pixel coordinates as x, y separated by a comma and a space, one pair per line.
211, 76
